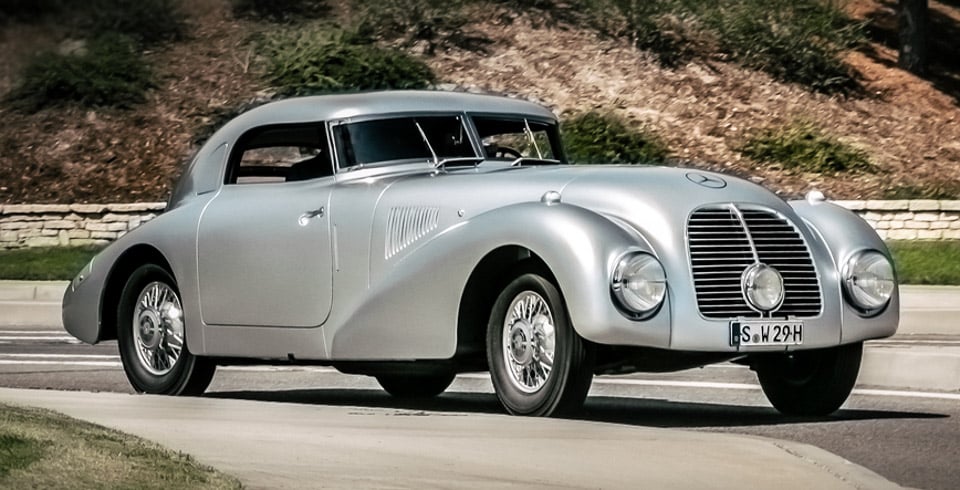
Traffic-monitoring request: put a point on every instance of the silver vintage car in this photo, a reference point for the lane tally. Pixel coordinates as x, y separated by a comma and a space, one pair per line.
411, 236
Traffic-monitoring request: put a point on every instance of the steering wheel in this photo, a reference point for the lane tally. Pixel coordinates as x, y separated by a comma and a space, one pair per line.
507, 152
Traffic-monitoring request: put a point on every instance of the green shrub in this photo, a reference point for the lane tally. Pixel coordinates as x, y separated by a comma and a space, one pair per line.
149, 22
435, 23
665, 28
803, 146
311, 61
280, 11
795, 41
29, 10
18, 452
108, 72
592, 137
798, 41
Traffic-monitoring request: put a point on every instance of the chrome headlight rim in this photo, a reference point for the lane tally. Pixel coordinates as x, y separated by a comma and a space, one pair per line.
849, 283
749, 280
617, 282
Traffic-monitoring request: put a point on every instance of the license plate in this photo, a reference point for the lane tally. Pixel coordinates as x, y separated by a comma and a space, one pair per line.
767, 332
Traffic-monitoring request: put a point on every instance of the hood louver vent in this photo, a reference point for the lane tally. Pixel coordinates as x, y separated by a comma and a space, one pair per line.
406, 225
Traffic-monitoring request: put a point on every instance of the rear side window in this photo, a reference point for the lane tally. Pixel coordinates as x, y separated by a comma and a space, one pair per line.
285, 153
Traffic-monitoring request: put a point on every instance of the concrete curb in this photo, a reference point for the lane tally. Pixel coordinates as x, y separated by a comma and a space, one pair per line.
918, 367
40, 291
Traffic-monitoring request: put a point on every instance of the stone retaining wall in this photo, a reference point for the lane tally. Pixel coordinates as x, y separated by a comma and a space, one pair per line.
46, 225
919, 219
41, 225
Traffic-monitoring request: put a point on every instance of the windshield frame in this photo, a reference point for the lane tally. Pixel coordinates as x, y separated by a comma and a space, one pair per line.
338, 143
553, 133
468, 122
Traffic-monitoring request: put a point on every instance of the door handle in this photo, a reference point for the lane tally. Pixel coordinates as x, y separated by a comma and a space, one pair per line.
305, 218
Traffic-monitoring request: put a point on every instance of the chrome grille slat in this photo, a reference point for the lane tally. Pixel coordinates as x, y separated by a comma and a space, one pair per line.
720, 250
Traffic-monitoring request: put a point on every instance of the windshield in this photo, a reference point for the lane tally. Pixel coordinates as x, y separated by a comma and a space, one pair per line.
426, 138
510, 138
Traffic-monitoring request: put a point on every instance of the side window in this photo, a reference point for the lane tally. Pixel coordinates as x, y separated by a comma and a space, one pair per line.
284, 153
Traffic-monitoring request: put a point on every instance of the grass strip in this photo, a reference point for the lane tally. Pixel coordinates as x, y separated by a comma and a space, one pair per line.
927, 262
43, 449
44, 263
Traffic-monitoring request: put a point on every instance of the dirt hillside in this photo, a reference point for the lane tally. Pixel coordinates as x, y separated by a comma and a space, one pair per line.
909, 126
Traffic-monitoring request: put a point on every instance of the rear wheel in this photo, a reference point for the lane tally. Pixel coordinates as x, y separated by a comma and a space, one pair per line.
810, 383
415, 385
538, 364
152, 339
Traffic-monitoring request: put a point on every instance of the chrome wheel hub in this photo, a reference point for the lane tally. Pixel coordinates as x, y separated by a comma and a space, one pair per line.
529, 341
158, 328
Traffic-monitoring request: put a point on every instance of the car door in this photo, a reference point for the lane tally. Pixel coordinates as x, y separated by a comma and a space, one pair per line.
263, 245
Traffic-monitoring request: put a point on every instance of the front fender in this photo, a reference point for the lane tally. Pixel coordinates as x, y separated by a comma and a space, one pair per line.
844, 233
579, 246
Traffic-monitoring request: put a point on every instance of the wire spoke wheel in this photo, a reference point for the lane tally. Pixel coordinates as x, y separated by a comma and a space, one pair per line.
158, 328
151, 336
538, 363
529, 342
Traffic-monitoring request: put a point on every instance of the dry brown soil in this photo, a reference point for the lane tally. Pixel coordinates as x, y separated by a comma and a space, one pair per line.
909, 126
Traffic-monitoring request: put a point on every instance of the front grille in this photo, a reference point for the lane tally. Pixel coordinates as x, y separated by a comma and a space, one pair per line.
721, 248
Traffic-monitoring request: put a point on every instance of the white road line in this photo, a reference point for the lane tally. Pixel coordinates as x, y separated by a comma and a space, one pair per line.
34, 332
61, 363
912, 342
743, 386
908, 394
62, 356
598, 380
37, 337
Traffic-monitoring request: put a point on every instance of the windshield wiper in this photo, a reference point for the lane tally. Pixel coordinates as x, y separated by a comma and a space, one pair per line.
526, 128
471, 160
534, 161
441, 163
436, 161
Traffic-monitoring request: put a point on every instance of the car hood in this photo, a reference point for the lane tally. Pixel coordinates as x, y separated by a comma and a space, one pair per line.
657, 201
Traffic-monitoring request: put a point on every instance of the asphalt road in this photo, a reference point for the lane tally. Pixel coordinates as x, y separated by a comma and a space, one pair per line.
910, 438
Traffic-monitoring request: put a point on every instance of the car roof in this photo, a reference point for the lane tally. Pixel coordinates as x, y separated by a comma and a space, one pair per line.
341, 106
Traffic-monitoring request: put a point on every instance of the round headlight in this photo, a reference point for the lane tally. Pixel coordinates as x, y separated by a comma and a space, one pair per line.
763, 287
639, 283
868, 279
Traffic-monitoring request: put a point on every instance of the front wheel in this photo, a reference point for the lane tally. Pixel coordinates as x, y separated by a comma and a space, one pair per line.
810, 383
538, 364
152, 340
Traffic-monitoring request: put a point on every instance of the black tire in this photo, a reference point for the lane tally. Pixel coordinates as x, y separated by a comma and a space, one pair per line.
188, 375
415, 385
568, 381
810, 383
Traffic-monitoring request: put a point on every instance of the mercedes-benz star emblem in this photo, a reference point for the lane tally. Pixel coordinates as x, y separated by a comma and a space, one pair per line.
705, 180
